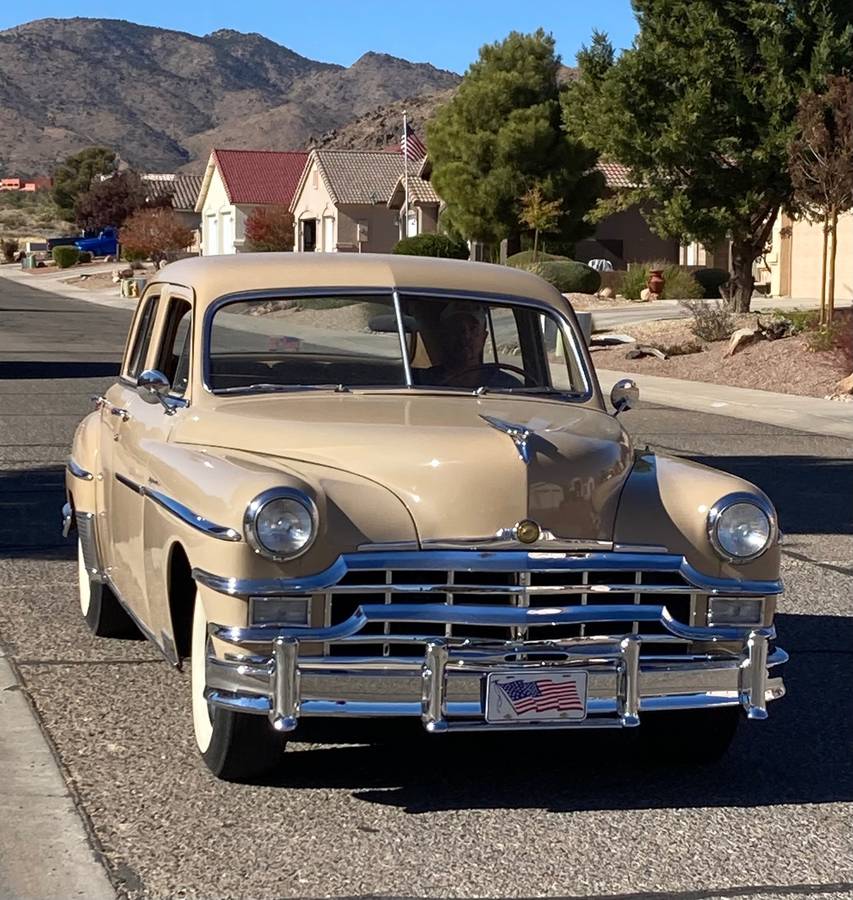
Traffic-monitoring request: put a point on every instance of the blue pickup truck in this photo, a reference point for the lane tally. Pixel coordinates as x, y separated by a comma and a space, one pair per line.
105, 244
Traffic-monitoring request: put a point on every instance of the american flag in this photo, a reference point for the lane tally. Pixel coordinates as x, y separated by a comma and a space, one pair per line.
542, 695
411, 144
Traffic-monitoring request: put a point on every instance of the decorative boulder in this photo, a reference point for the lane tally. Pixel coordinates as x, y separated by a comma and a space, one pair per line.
741, 338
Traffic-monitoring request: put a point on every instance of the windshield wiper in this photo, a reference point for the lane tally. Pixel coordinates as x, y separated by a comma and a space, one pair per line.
261, 388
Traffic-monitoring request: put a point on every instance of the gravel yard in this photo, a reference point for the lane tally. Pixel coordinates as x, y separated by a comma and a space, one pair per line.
786, 366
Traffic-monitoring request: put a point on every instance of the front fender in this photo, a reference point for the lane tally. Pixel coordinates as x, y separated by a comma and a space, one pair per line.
665, 502
84, 457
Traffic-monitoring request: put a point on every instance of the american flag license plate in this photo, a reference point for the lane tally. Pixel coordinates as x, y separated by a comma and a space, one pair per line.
536, 696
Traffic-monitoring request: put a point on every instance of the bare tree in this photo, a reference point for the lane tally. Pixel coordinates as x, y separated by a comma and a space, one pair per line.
821, 166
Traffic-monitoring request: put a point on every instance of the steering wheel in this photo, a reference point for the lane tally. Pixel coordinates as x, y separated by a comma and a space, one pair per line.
496, 365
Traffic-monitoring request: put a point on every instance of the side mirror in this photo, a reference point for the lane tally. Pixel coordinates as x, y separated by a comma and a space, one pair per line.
154, 387
624, 396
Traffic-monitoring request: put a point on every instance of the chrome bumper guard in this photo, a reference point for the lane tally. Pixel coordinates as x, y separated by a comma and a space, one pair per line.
260, 669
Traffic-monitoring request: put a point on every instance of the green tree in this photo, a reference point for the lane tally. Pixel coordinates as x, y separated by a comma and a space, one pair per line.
74, 176
500, 134
111, 201
701, 109
539, 215
821, 163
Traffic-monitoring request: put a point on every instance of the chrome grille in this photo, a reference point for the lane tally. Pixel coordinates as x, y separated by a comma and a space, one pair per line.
531, 589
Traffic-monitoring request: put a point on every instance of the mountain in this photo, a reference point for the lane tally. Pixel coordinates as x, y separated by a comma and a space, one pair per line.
163, 98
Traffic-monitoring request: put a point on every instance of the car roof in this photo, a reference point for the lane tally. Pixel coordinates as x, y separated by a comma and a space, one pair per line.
215, 276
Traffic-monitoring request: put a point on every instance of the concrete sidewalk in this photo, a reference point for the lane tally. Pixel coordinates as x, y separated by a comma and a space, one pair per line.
45, 852
54, 283
810, 414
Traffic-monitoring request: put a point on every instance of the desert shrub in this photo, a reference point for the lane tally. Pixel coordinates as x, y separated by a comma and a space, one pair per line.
712, 321
711, 280
8, 249
66, 256
568, 276
269, 229
827, 337
682, 349
154, 233
525, 258
133, 256
799, 320
433, 245
678, 283
85, 256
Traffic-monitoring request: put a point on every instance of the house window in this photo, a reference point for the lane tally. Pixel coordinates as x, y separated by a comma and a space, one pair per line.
328, 234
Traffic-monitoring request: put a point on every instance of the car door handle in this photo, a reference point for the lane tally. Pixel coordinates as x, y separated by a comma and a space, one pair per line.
123, 414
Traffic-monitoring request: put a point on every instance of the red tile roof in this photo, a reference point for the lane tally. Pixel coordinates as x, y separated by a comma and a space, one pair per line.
260, 176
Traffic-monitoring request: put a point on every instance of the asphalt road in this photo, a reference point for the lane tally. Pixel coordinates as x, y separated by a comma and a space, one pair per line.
400, 813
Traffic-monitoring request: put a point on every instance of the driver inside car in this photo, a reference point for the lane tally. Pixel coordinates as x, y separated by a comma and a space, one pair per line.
462, 333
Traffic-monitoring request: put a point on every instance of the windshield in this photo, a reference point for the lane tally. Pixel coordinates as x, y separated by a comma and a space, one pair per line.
353, 342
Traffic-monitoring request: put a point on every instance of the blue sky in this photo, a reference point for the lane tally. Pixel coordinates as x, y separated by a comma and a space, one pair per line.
447, 34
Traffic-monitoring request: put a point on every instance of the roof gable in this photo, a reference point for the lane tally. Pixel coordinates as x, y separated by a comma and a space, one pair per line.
360, 176
262, 177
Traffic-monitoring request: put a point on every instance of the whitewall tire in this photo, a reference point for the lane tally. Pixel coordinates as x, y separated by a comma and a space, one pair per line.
84, 585
102, 611
234, 746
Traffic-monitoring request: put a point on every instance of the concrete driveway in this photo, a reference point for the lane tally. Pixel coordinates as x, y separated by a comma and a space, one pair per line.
398, 813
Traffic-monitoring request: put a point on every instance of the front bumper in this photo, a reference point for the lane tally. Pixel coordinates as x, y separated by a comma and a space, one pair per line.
259, 669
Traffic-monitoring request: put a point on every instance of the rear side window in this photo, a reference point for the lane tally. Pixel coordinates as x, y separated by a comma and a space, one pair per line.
174, 356
142, 338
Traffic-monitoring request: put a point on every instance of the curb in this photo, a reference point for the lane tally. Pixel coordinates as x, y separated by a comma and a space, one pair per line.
810, 414
45, 848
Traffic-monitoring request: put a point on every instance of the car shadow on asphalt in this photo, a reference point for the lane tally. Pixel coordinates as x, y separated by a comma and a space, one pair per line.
38, 369
801, 754
31, 528
812, 494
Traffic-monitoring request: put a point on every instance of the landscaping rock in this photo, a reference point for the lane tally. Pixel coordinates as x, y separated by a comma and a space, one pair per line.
642, 350
118, 274
845, 386
645, 296
741, 338
606, 293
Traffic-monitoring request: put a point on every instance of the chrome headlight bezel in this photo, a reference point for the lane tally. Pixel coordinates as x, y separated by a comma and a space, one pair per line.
254, 509
716, 512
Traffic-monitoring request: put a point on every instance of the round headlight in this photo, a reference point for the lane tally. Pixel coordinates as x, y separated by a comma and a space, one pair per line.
741, 527
281, 524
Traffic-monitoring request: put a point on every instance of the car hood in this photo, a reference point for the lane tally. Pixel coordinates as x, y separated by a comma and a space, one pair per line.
460, 477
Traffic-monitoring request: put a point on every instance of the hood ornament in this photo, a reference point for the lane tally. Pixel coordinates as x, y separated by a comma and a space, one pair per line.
520, 435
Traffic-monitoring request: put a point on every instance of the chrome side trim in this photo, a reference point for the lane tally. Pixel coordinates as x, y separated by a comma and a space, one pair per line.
488, 561
184, 513
78, 471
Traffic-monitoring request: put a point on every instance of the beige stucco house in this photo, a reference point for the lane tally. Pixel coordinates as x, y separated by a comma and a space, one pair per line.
794, 260
237, 181
350, 201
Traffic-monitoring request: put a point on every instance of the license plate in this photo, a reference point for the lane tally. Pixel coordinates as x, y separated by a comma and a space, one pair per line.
536, 696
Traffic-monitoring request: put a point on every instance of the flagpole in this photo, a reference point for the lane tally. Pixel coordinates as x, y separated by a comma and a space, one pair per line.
406, 174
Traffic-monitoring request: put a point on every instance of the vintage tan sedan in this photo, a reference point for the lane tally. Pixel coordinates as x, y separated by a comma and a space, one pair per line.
374, 486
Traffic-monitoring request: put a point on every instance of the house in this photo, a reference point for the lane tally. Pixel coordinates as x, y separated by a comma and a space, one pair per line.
182, 192
796, 251
625, 237
424, 202
237, 181
350, 200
